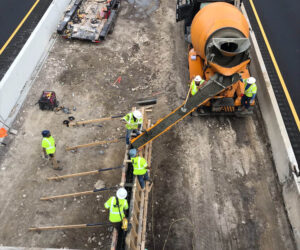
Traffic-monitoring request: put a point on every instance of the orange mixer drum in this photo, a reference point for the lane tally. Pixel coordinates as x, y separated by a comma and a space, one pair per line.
217, 20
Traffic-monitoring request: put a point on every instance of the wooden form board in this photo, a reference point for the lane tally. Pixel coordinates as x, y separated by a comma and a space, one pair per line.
138, 204
136, 238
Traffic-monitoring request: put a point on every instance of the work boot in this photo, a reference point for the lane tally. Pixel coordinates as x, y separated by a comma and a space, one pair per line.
59, 168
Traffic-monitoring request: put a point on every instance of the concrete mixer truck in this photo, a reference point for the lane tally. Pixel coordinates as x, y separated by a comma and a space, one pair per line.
218, 38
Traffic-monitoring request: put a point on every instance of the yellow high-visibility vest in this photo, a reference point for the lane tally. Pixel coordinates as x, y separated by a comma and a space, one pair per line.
139, 165
194, 87
114, 213
249, 92
131, 124
48, 143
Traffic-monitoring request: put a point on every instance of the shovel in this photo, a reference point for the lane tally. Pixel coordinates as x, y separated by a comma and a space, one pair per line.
183, 109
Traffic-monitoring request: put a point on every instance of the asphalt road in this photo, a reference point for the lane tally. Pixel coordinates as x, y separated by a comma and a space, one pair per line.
281, 21
12, 13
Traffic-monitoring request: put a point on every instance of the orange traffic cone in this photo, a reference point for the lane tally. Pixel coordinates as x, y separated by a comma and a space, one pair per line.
3, 132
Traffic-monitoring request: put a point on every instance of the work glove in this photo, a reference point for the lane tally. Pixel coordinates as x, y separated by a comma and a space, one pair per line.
46, 156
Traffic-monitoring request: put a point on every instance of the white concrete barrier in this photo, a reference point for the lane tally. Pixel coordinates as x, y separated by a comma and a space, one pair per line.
20, 72
282, 151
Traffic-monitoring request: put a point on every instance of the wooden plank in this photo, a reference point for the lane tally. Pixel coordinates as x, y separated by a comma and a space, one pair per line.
71, 124
73, 175
132, 237
136, 207
114, 240
148, 189
146, 201
140, 224
139, 189
67, 226
56, 227
133, 245
92, 144
129, 236
150, 155
133, 230
144, 118
137, 196
67, 195
147, 146
135, 220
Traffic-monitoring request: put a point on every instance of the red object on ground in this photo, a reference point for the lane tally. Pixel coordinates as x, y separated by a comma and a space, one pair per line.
3, 132
119, 79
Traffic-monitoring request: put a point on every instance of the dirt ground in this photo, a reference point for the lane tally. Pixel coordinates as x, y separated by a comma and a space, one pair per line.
214, 180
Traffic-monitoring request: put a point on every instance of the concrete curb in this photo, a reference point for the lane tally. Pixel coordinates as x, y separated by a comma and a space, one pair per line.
283, 154
18, 79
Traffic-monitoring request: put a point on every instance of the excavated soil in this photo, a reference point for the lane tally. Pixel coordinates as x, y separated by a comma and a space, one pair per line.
214, 181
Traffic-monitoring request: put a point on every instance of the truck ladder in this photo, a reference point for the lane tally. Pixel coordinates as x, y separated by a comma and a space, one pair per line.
213, 87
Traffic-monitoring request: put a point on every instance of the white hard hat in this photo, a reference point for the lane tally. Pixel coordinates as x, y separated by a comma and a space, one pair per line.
137, 114
198, 78
251, 80
121, 193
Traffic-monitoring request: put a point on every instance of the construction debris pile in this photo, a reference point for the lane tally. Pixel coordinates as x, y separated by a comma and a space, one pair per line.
90, 20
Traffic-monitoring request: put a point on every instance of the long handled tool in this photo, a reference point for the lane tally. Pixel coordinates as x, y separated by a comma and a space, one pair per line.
92, 144
82, 173
71, 124
76, 194
69, 226
183, 109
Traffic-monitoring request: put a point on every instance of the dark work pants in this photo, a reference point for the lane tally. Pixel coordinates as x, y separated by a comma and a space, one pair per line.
142, 179
246, 101
128, 134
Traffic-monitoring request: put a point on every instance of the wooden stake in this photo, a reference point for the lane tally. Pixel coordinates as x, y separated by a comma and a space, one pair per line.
92, 144
75, 194
72, 175
71, 124
83, 173
66, 195
140, 223
57, 227
148, 189
67, 226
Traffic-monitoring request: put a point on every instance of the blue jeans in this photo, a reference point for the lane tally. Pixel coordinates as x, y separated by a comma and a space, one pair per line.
128, 134
142, 179
246, 101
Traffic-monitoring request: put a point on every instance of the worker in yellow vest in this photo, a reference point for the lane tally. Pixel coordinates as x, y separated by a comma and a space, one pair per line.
249, 92
116, 205
49, 148
140, 167
134, 121
196, 84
